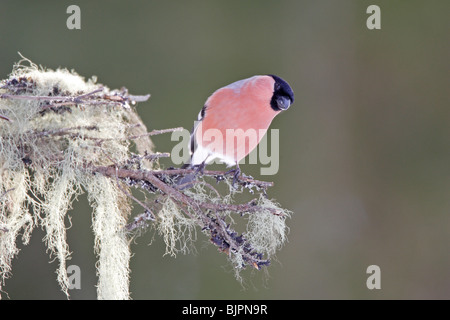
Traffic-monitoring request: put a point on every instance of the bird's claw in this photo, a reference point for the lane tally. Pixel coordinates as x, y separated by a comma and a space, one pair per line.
200, 168
237, 173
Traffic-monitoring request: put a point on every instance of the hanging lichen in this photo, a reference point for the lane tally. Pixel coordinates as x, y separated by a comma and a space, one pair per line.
61, 135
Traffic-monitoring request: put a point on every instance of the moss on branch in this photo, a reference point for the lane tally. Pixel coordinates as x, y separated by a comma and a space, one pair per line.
62, 135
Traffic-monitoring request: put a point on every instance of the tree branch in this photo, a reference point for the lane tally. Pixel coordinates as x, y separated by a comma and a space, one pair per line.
210, 216
226, 239
214, 173
89, 98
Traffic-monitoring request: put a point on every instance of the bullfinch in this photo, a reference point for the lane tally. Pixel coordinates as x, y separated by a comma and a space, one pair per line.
235, 118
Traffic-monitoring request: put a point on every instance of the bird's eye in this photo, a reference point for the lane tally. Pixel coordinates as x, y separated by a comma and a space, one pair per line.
283, 102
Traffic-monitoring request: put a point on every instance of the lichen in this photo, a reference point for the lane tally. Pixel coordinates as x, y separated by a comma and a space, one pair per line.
43, 150
177, 230
62, 135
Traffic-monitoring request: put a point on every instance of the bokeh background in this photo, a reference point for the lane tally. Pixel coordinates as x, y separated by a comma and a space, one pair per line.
365, 149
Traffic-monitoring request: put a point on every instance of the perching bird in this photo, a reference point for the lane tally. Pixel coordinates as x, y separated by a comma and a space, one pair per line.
235, 118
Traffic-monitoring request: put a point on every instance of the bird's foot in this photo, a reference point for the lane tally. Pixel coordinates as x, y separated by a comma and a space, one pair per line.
237, 172
200, 168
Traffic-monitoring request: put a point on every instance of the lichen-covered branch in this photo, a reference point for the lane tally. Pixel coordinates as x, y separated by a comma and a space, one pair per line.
61, 135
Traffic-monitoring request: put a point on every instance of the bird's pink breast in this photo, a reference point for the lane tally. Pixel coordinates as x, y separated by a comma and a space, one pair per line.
237, 117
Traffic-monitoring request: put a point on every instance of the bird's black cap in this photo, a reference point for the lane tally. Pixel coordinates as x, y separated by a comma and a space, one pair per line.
282, 89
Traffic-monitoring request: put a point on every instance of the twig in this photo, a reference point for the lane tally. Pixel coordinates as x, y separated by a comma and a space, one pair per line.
4, 193
73, 100
5, 118
151, 177
154, 133
81, 97
151, 156
40, 98
214, 173
230, 240
249, 207
152, 216
66, 131
63, 131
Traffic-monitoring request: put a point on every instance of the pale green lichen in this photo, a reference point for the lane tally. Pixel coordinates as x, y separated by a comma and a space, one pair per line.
266, 231
177, 229
42, 153
111, 209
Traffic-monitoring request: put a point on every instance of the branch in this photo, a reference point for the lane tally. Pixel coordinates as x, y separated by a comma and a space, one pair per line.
219, 175
151, 177
4, 193
5, 118
226, 239
89, 98
210, 216
155, 132
69, 150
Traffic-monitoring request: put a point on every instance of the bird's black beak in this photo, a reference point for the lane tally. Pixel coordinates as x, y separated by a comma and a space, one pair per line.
283, 102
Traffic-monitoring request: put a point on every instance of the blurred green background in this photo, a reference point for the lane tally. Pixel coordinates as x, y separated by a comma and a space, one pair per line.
365, 149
